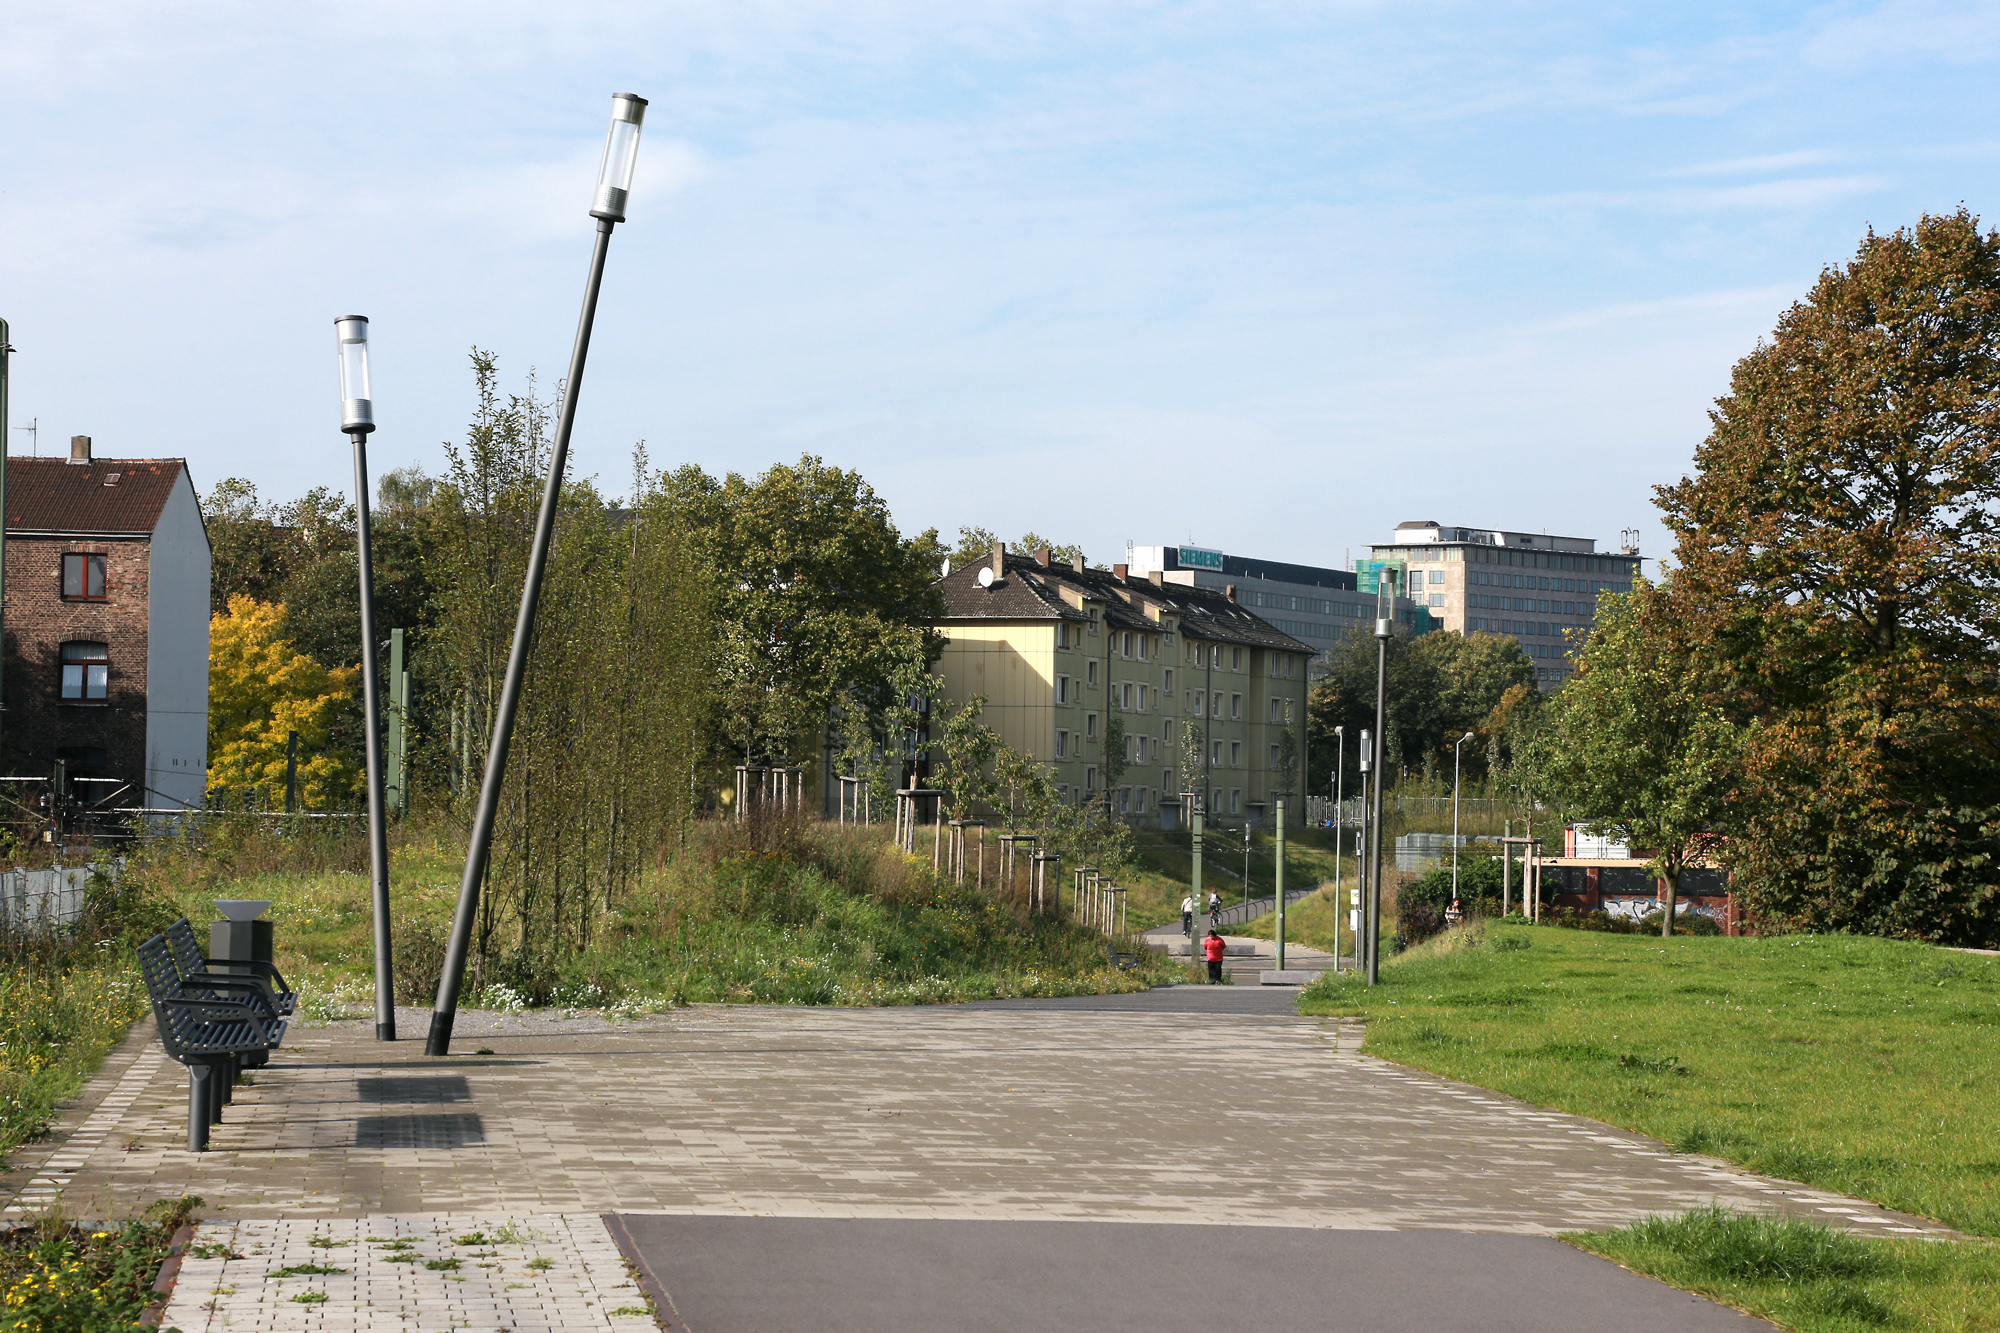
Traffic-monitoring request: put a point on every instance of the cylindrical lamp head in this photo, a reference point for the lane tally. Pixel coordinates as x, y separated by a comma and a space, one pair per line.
621, 155
357, 401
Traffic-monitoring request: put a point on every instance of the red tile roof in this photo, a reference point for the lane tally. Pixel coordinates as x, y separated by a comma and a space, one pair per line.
56, 495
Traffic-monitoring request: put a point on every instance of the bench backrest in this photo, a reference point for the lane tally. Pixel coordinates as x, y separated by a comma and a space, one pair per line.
156, 964
188, 956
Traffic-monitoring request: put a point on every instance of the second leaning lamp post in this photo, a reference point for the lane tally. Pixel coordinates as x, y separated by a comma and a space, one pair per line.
357, 418
614, 182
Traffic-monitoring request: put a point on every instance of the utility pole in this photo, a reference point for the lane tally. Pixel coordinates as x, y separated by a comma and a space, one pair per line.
1385, 625
1279, 875
1358, 923
1194, 894
1339, 775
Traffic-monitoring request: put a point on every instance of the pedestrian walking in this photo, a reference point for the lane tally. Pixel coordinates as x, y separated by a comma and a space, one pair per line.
1187, 915
1213, 948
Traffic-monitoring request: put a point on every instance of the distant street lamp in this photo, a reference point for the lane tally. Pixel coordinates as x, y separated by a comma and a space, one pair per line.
357, 419
1454, 812
614, 184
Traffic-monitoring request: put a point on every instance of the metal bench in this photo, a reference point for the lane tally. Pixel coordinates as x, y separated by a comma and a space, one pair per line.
209, 1029
1124, 960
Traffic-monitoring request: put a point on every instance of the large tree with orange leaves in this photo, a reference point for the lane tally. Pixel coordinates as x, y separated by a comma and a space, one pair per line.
1838, 572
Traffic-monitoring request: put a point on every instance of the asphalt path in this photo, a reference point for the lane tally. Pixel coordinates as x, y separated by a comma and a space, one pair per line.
880, 1275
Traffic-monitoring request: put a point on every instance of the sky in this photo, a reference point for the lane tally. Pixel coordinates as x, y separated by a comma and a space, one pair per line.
1266, 277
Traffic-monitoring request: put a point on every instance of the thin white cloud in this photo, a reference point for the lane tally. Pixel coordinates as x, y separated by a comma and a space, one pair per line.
1742, 166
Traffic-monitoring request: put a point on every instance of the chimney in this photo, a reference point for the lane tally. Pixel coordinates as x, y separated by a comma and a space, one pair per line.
1154, 578
1042, 557
79, 449
999, 560
1230, 592
1119, 571
1076, 563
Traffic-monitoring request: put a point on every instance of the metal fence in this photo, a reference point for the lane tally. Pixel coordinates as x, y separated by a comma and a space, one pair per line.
34, 902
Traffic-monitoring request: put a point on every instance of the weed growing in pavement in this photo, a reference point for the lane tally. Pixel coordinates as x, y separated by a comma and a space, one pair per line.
1809, 1277
1850, 1063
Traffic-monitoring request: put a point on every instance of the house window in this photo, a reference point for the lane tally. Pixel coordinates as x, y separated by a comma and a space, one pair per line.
1235, 659
1274, 766
1235, 800
1142, 657
1090, 726
1090, 670
1089, 779
1236, 754
1140, 801
83, 578
1093, 620
1168, 686
1167, 731
1199, 700
1062, 745
1062, 689
1166, 780
86, 671
1125, 645
1215, 755
1062, 635
1273, 719
1235, 707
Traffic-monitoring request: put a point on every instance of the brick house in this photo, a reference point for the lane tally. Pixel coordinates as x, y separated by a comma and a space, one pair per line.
107, 629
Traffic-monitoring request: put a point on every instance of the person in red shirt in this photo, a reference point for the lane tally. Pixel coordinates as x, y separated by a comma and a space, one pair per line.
1213, 948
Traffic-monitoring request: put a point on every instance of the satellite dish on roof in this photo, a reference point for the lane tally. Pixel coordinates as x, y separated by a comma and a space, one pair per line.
986, 577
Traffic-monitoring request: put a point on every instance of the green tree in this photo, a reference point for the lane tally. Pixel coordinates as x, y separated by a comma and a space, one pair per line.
1635, 746
976, 544
1838, 553
821, 603
1438, 687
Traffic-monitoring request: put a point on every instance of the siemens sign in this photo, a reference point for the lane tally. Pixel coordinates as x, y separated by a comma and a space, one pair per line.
1194, 557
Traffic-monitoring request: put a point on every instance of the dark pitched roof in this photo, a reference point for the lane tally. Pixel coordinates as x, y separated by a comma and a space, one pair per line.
55, 495
1033, 591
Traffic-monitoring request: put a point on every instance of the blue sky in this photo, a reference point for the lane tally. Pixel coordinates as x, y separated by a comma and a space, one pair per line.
1270, 277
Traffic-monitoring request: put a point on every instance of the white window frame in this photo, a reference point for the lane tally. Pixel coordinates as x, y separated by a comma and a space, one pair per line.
1062, 744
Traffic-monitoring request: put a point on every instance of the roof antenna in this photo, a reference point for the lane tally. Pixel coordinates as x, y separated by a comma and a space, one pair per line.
34, 435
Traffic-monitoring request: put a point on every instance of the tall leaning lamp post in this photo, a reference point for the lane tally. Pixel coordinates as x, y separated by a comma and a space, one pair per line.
357, 418
1456, 745
614, 184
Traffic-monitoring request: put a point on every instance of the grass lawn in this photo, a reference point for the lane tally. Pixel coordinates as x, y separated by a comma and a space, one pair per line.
1859, 1065
1811, 1278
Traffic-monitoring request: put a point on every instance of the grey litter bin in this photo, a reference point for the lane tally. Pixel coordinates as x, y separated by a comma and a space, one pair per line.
244, 936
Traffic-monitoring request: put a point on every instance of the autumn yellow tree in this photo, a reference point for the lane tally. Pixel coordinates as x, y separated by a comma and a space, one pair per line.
260, 689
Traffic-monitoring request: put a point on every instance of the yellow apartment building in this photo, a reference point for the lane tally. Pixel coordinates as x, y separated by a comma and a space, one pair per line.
1134, 686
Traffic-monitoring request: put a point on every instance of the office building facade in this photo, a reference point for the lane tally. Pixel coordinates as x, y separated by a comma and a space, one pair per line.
1532, 587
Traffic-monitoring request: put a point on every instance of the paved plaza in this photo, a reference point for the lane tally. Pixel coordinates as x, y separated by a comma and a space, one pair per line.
1207, 1107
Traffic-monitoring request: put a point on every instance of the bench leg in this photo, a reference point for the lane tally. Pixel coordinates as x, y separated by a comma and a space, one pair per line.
198, 1107
218, 1086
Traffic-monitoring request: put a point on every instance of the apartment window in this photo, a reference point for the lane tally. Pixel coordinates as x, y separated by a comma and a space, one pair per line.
1062, 794
1274, 768
1090, 726
1125, 696
1139, 801
1437, 576
1166, 780
1235, 800
1236, 754
1093, 620
83, 578
1273, 719
1215, 754
1167, 732
1235, 659
1199, 700
1235, 707
1089, 780
1062, 634
1215, 658
1062, 689
1437, 599
1090, 672
1125, 645
86, 670
1062, 745
1168, 686
1124, 800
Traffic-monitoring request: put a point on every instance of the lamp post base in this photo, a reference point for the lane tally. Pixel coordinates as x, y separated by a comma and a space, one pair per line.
439, 1041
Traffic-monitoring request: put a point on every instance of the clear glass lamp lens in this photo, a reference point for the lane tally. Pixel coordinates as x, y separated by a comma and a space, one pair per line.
354, 370
621, 155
